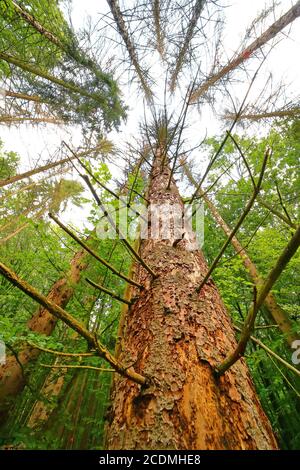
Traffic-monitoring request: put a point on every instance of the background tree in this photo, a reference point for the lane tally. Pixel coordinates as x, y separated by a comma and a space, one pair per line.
175, 333
59, 86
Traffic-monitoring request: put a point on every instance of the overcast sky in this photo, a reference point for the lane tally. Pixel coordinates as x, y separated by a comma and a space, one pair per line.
283, 62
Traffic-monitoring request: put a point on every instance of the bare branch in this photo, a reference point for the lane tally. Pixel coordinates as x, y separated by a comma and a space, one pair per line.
197, 9
40, 169
118, 17
91, 252
72, 322
63, 366
269, 351
239, 222
107, 291
290, 112
282, 261
269, 34
117, 230
59, 353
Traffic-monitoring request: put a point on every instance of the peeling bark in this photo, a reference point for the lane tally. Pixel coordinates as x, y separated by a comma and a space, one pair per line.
175, 337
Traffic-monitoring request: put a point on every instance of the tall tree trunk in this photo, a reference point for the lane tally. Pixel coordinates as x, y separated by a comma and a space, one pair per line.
176, 337
275, 311
269, 34
12, 379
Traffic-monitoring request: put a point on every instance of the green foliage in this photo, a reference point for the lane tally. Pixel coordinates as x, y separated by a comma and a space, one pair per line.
36, 63
33, 47
77, 416
9, 162
264, 236
78, 413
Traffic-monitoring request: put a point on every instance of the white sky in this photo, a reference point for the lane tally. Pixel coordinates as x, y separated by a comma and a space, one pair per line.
34, 143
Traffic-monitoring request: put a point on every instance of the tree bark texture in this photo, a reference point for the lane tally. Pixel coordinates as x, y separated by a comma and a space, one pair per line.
176, 337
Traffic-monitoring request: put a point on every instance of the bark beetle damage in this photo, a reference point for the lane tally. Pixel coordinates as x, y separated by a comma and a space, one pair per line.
177, 337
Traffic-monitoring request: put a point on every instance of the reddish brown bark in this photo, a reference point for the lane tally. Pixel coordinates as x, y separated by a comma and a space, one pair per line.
176, 337
12, 379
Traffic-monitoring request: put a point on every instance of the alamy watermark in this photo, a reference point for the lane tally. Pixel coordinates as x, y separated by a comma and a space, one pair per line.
296, 354
163, 221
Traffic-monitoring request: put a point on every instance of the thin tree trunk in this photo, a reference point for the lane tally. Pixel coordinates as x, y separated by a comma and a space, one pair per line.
176, 337
16, 217
29, 120
197, 9
120, 23
275, 311
269, 34
40, 169
34, 184
14, 233
23, 226
12, 380
21, 96
257, 116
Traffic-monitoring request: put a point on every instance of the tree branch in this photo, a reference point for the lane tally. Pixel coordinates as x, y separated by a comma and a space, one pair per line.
73, 323
268, 350
62, 366
92, 252
282, 261
107, 291
240, 221
117, 230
